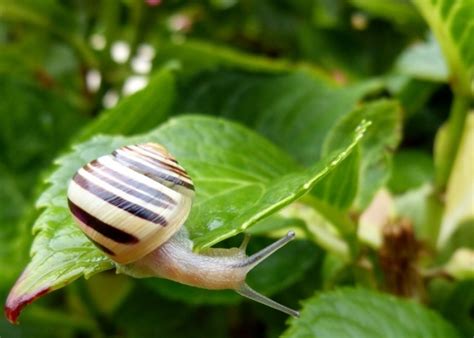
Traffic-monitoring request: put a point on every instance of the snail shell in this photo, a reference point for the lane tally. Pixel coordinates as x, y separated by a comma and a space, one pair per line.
131, 201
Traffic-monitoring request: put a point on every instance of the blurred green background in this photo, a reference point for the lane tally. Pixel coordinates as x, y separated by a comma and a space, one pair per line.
65, 64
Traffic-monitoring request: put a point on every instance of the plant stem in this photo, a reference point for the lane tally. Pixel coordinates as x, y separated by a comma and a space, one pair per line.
454, 130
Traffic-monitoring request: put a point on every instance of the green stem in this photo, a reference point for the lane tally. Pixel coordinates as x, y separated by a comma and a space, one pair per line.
82, 48
110, 20
137, 24
454, 130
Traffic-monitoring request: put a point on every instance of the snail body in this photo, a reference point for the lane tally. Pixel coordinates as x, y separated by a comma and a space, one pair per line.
132, 205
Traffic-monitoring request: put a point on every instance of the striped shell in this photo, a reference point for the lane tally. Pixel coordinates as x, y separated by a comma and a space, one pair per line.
131, 201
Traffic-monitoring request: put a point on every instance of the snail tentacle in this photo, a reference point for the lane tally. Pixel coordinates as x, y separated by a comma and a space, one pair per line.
250, 293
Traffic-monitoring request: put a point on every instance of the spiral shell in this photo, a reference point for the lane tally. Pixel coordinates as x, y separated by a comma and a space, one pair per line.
131, 201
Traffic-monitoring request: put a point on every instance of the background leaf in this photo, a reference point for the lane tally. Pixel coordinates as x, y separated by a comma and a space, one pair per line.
411, 169
424, 60
363, 313
295, 111
401, 12
451, 22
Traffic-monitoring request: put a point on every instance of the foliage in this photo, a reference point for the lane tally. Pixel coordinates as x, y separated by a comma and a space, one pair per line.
350, 122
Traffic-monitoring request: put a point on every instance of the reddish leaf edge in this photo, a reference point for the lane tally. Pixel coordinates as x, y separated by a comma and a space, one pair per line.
15, 303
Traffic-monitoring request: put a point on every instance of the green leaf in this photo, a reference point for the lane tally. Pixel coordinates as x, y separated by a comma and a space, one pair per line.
52, 16
461, 238
145, 314
413, 95
460, 190
401, 12
48, 13
461, 264
230, 166
424, 61
452, 24
29, 107
318, 219
139, 112
195, 56
411, 169
13, 205
295, 111
339, 189
364, 313
376, 149
457, 307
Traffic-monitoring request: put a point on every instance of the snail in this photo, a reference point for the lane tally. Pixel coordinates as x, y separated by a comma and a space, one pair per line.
132, 205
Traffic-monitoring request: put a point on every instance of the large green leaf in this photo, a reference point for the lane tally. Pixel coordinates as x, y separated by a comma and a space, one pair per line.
452, 24
364, 313
230, 166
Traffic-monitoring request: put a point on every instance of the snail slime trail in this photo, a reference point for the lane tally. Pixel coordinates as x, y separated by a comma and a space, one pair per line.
132, 205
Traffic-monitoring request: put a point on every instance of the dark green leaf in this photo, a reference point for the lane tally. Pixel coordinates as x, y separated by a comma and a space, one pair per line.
28, 107
11, 249
49, 15
458, 306
196, 56
145, 314
400, 12
411, 169
295, 111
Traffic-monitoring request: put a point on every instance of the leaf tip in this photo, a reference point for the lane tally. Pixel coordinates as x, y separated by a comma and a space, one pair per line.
362, 129
16, 302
